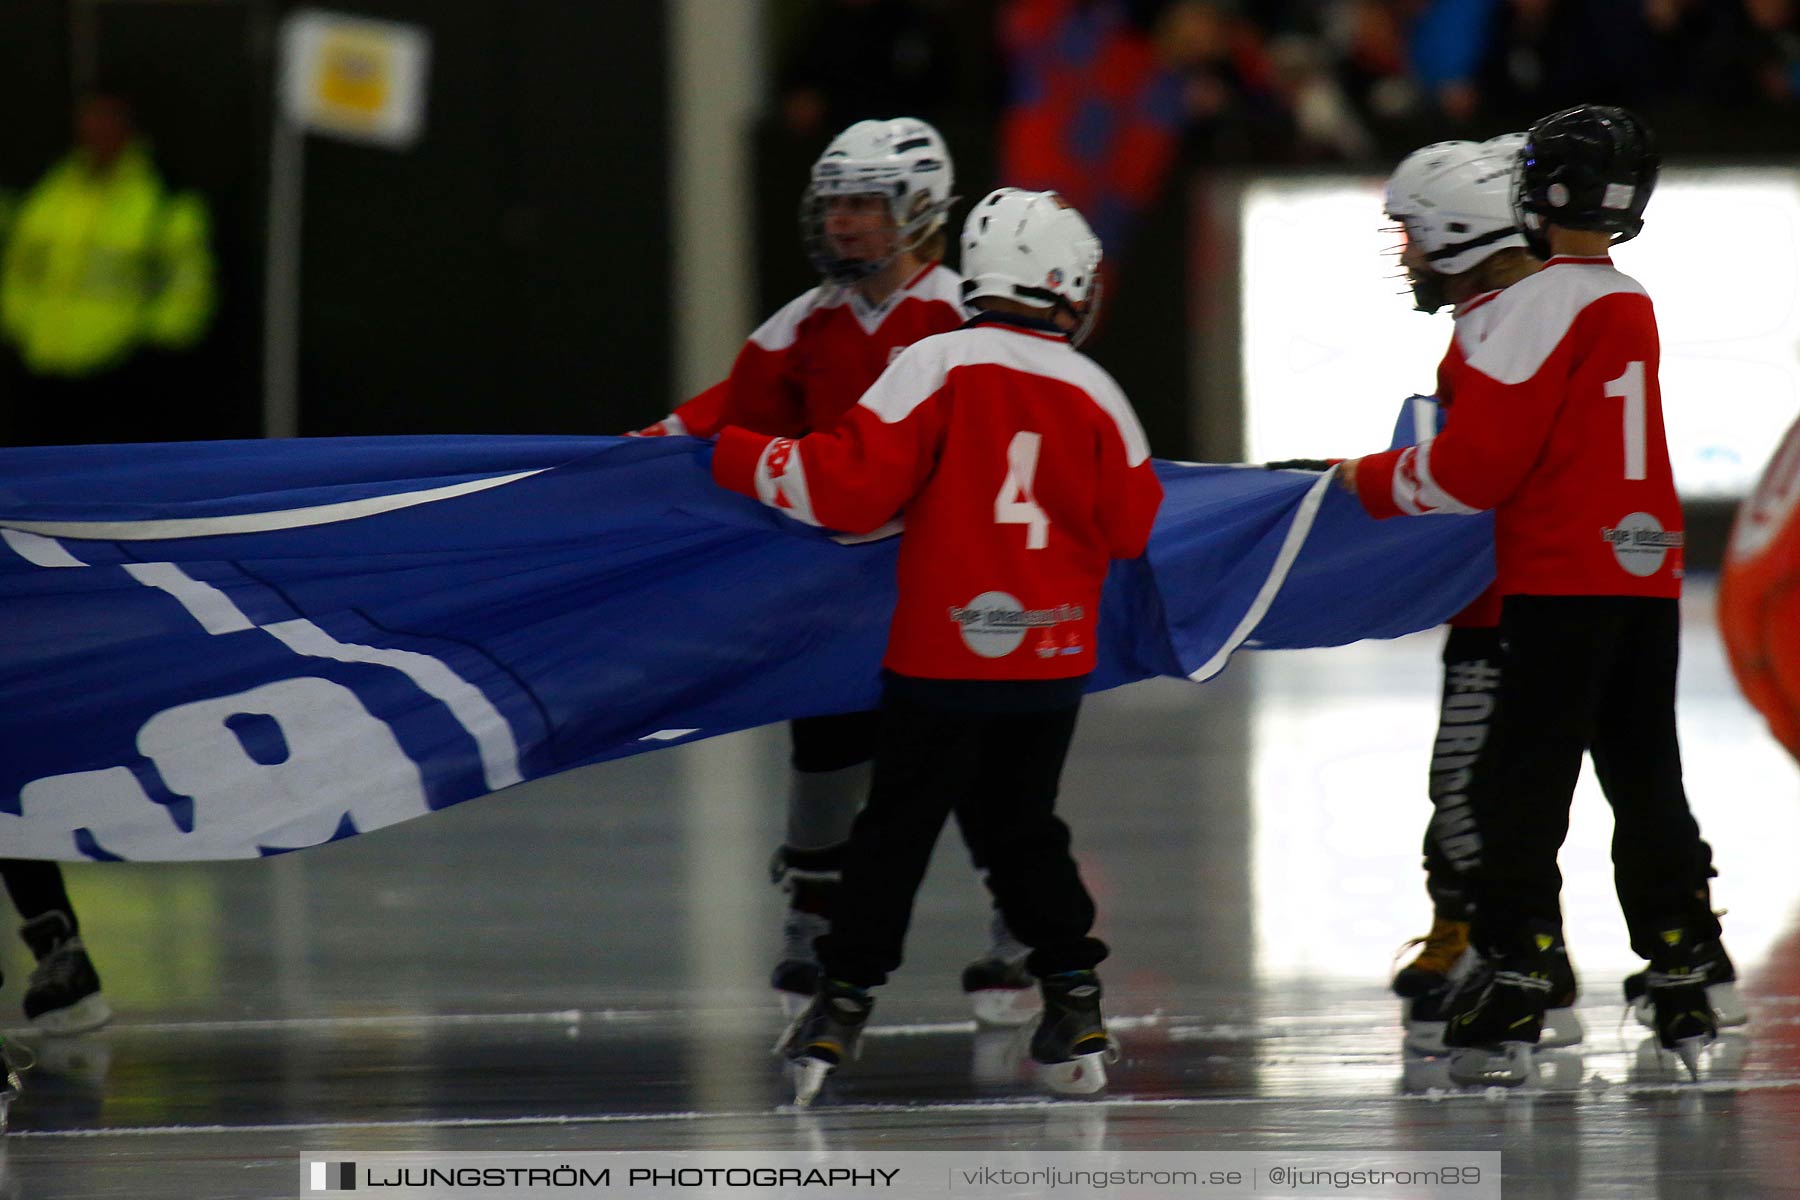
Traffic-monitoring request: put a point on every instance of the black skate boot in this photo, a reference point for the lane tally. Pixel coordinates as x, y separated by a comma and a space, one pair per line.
1439, 952
823, 1037
1496, 1016
63, 993
1676, 985
1001, 991
1721, 989
1070, 1044
810, 878
1562, 1027
1422, 1016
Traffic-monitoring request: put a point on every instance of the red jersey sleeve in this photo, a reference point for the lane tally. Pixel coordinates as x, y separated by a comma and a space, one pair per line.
1483, 453
1130, 495
854, 477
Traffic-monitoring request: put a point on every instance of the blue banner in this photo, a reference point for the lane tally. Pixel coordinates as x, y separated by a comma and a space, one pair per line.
227, 649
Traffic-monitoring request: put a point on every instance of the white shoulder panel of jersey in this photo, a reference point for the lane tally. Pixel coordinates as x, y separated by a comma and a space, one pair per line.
941, 283
1472, 328
922, 368
1533, 316
780, 330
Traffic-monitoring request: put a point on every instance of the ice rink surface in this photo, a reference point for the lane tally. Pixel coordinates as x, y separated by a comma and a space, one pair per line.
577, 964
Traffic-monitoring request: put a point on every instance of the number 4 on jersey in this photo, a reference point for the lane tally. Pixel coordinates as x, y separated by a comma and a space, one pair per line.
1015, 505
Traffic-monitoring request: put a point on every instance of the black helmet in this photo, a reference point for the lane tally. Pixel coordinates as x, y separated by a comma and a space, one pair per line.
1588, 167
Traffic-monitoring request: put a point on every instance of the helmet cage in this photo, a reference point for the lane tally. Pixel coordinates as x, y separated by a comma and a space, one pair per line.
904, 161
910, 231
1453, 200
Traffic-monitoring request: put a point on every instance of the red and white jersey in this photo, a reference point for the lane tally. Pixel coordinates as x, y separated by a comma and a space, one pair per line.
1558, 427
809, 363
1021, 471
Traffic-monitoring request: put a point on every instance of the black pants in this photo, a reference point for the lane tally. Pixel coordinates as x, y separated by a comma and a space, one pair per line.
831, 743
36, 888
1465, 722
837, 741
992, 751
1594, 674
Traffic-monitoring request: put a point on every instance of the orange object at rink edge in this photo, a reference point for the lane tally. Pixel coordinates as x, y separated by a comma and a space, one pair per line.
1759, 594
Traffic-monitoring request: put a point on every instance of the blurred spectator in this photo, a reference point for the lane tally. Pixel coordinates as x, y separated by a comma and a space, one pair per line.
1546, 54
1325, 123
1233, 103
1775, 29
104, 267
1095, 114
858, 59
1749, 54
1446, 42
1369, 41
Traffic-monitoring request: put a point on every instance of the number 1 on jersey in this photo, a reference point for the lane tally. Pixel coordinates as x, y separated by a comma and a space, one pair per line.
1630, 387
1015, 505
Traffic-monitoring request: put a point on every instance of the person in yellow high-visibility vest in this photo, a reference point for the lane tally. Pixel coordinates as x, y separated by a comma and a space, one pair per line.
102, 263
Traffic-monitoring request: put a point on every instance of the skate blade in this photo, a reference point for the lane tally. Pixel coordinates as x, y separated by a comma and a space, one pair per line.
1006, 1008
808, 1075
1509, 1066
1425, 1037
999, 1052
1562, 1027
85, 1015
1082, 1075
1688, 1050
1728, 1007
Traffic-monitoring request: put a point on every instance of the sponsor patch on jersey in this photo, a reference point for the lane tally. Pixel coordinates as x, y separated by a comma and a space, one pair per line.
1640, 543
994, 624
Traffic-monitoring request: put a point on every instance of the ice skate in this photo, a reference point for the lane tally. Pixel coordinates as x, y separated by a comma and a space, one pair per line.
1440, 951
1496, 1016
997, 1054
812, 890
10, 1087
1721, 989
63, 994
823, 1037
1000, 989
796, 977
1676, 986
1070, 1044
1422, 1016
1562, 1027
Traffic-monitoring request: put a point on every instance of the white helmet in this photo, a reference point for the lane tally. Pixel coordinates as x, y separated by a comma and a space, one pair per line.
1035, 248
1455, 200
904, 160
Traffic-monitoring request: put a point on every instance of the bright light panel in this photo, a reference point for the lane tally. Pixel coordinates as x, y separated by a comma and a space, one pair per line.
1331, 344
